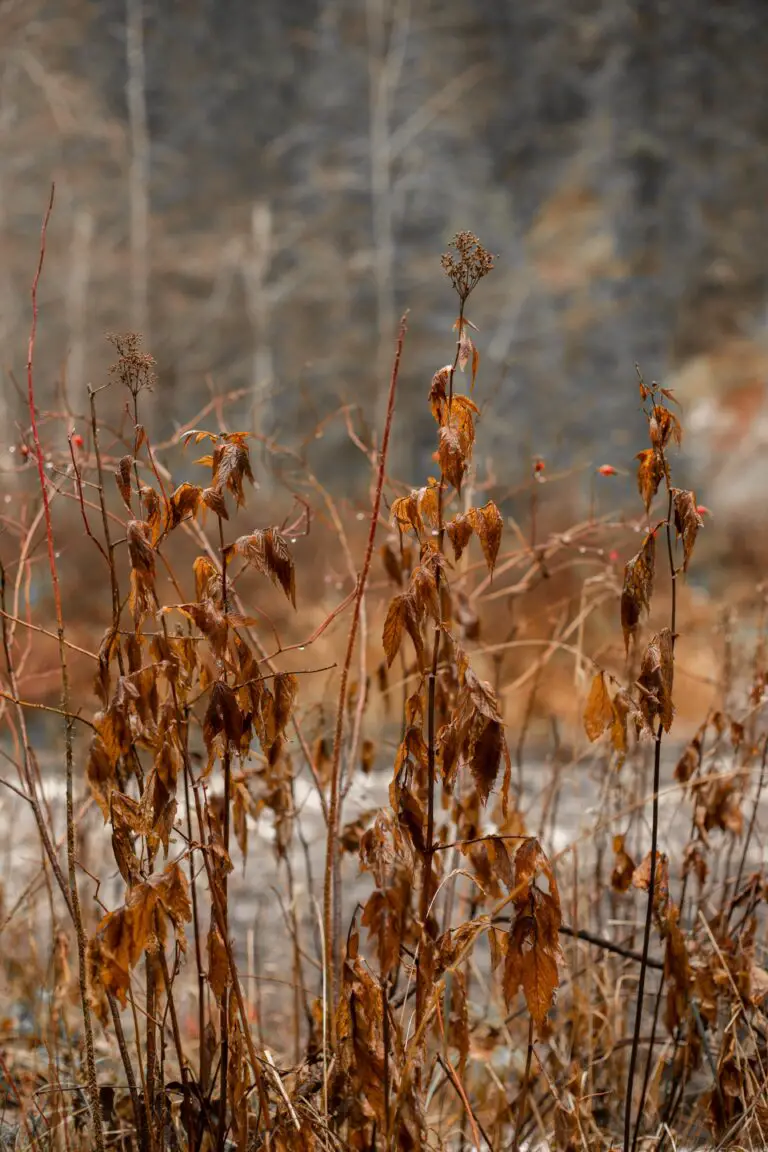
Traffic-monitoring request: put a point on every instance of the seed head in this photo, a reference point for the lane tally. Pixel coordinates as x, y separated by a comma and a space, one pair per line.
469, 266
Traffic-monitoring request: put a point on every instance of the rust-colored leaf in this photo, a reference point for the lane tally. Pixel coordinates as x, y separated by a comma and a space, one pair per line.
219, 975
641, 878
123, 480
267, 550
213, 498
183, 503
598, 713
687, 521
664, 426
650, 473
488, 525
394, 626
531, 965
688, 761
638, 587
485, 758
451, 456
231, 465
459, 533
656, 679
623, 866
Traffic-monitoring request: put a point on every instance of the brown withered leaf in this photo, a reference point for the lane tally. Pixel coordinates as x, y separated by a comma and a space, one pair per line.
458, 1017
101, 774
219, 975
123, 935
152, 511
267, 550
459, 531
497, 941
694, 861
406, 514
687, 521
207, 580
213, 498
656, 680
367, 756
665, 426
222, 718
402, 614
485, 756
481, 695
384, 916
531, 963
638, 587
143, 599
108, 650
451, 456
423, 592
650, 473
231, 465
488, 524
598, 713
183, 503
465, 347
530, 860
122, 843
211, 621
394, 626
677, 971
286, 688
622, 706
500, 861
689, 761
242, 806
718, 805
641, 878
623, 866
448, 748
438, 392
158, 811
123, 480
462, 418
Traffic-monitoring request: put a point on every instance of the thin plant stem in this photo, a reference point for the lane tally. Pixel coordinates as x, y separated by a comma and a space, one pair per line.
90, 1058
335, 785
630, 1137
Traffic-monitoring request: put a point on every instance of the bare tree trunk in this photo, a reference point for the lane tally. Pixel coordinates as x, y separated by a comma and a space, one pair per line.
256, 266
387, 24
139, 169
77, 299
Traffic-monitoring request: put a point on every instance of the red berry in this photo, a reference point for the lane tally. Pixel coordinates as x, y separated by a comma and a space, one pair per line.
539, 466
607, 470
77, 440
613, 556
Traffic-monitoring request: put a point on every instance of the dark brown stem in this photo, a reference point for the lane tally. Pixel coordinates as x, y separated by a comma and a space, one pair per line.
630, 1137
521, 1108
429, 848
227, 768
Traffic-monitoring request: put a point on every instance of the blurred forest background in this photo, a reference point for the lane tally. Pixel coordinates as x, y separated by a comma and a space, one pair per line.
262, 188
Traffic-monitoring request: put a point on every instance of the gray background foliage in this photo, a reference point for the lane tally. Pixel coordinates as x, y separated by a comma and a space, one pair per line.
263, 186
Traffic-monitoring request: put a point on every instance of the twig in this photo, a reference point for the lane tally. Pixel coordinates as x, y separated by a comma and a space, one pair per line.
93, 1090
333, 807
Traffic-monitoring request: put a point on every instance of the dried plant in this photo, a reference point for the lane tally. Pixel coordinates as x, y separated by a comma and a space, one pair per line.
466, 983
